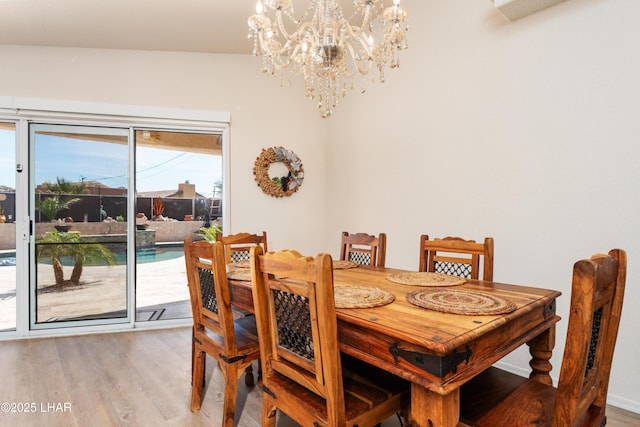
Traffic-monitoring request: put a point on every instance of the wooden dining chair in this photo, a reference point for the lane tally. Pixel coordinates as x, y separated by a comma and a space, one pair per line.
364, 249
237, 246
304, 374
456, 256
498, 398
232, 343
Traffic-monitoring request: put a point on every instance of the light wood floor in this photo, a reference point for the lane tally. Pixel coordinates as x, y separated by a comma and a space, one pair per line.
137, 378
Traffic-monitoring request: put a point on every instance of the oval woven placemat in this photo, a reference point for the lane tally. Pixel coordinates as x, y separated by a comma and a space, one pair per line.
360, 297
424, 278
460, 302
341, 264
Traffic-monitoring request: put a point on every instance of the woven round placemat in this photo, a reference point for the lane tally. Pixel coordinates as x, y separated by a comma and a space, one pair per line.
460, 302
425, 279
241, 274
359, 297
340, 264
240, 264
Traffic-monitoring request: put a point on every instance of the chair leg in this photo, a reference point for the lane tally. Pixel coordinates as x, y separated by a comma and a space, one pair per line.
268, 412
248, 376
193, 348
231, 377
197, 379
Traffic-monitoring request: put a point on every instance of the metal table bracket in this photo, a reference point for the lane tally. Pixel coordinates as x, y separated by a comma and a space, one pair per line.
435, 365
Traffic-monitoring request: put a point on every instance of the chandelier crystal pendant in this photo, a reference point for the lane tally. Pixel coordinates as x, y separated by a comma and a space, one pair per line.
326, 48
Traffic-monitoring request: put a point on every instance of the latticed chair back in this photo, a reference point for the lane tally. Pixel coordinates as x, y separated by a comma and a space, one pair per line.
498, 398
301, 361
364, 249
597, 294
233, 343
209, 300
237, 246
456, 256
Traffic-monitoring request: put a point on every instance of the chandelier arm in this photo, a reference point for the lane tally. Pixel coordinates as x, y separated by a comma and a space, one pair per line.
366, 18
264, 45
303, 30
282, 28
362, 71
357, 33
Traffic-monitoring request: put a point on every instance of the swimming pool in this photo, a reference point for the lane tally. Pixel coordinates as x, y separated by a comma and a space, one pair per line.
7, 259
143, 256
159, 253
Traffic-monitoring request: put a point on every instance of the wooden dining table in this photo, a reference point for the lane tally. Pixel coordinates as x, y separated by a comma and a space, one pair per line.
437, 351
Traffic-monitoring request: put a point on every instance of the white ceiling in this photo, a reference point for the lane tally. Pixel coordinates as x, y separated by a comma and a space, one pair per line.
217, 26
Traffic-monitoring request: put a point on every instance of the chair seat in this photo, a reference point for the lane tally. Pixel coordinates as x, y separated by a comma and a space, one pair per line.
361, 395
246, 335
489, 400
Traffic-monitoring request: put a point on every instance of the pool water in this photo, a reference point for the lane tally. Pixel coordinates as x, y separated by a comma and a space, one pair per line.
143, 256
158, 253
7, 259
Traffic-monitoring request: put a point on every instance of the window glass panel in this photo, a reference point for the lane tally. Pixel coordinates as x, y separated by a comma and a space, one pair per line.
7, 227
178, 191
80, 187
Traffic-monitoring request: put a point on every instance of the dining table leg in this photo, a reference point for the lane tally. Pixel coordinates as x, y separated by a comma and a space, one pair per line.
430, 409
541, 349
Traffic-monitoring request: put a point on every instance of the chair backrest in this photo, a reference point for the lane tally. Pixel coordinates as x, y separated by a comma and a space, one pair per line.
209, 289
297, 326
237, 246
364, 249
456, 256
596, 304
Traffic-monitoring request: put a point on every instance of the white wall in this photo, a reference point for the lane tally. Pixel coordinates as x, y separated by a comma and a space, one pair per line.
262, 115
524, 131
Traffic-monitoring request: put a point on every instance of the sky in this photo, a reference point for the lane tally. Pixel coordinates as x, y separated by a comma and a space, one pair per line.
77, 160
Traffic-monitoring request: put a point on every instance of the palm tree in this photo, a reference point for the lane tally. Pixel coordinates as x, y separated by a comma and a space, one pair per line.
50, 206
56, 245
62, 186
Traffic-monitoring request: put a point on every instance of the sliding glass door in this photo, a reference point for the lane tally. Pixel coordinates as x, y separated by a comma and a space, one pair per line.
8, 272
178, 191
95, 205
79, 180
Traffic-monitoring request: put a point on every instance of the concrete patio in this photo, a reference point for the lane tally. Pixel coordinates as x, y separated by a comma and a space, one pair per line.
161, 291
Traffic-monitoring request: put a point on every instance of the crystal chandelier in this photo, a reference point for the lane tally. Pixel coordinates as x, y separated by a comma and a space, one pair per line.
326, 48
